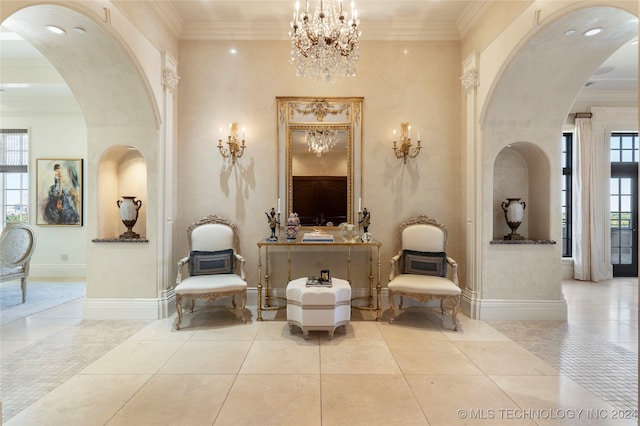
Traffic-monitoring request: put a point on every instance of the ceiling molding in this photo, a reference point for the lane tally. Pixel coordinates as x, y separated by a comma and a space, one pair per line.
243, 30
168, 14
471, 15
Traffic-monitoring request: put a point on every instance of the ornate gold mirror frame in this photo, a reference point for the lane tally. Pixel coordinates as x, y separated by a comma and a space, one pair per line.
299, 115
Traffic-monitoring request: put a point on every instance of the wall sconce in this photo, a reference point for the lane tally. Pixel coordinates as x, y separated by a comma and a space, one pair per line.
405, 149
234, 150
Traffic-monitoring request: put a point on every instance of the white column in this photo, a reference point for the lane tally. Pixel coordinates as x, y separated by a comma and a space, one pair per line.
166, 184
473, 180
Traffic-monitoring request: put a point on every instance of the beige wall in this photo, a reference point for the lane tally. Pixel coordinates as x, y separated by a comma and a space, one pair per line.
400, 81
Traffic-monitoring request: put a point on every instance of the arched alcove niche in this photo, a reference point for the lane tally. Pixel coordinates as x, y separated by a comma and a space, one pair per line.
521, 170
122, 171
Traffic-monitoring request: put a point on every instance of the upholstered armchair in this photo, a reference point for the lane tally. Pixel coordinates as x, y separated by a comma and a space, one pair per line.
17, 244
421, 265
216, 269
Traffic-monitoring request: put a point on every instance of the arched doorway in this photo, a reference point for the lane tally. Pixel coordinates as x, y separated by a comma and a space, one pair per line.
120, 108
529, 100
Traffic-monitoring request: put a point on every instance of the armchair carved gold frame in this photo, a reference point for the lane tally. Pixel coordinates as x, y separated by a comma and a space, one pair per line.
429, 236
216, 286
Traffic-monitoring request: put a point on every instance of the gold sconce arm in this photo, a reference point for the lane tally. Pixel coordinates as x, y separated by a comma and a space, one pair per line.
406, 149
235, 148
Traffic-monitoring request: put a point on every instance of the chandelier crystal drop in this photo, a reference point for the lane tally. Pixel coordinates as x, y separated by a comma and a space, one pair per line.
320, 141
325, 43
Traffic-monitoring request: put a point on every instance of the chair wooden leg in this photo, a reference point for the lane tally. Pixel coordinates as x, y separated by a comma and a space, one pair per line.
393, 312
454, 314
243, 302
442, 306
23, 284
179, 309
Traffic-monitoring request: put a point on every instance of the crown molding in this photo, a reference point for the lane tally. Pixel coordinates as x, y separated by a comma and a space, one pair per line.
242, 30
471, 15
167, 13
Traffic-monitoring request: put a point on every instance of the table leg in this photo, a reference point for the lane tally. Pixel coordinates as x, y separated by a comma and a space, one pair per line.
378, 289
266, 277
259, 284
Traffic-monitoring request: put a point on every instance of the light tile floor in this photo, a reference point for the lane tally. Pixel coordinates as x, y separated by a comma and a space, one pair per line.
58, 369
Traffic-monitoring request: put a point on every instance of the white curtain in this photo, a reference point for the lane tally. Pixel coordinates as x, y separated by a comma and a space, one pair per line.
590, 202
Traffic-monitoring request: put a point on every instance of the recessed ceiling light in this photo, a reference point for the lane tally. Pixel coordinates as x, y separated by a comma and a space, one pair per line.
592, 32
79, 30
570, 32
233, 51
55, 30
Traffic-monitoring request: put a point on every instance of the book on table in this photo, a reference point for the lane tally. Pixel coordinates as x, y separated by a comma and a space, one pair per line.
313, 281
315, 237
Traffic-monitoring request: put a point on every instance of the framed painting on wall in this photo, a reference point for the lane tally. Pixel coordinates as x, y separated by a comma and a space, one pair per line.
59, 192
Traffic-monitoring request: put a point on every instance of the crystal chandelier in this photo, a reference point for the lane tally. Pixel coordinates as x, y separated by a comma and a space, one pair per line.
325, 45
320, 141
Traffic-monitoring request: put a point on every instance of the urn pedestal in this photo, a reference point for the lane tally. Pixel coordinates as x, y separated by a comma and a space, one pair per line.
513, 213
129, 207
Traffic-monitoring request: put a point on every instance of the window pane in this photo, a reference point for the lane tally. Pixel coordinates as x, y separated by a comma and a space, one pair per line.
615, 142
615, 156
13, 197
625, 203
627, 142
625, 186
627, 156
614, 203
613, 186
13, 180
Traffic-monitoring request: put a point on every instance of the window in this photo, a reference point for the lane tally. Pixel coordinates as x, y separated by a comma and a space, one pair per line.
567, 161
14, 176
623, 199
624, 147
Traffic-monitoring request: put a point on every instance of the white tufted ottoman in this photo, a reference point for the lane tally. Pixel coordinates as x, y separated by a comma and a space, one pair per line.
318, 308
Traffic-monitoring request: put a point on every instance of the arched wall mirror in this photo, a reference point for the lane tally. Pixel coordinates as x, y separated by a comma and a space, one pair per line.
320, 159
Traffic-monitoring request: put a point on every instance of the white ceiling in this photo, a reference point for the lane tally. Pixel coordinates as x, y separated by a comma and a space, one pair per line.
24, 72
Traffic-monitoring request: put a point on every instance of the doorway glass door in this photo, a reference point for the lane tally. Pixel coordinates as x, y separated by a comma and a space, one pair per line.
624, 204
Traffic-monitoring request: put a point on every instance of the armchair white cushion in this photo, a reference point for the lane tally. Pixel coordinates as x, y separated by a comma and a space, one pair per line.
424, 242
17, 244
219, 269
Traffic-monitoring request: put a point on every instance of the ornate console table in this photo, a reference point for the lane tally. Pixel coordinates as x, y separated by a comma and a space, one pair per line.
288, 244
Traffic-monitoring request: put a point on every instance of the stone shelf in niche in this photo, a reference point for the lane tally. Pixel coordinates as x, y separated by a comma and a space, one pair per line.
120, 240
522, 242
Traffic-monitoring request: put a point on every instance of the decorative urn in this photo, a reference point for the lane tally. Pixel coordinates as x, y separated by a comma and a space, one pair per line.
293, 226
129, 207
513, 213
349, 232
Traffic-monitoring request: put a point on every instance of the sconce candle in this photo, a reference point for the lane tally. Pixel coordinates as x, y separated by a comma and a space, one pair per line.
234, 149
405, 150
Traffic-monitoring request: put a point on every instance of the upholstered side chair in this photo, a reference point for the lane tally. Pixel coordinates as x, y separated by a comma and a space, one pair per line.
17, 244
422, 267
216, 269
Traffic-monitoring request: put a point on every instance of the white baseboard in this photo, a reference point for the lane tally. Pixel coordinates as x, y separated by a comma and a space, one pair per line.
43, 270
164, 306
519, 310
130, 309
